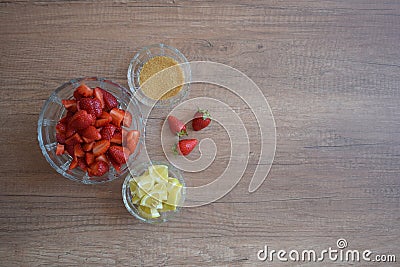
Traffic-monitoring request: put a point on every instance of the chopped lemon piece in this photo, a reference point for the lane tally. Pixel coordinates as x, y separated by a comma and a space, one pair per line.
159, 173
174, 196
135, 199
167, 207
154, 192
148, 213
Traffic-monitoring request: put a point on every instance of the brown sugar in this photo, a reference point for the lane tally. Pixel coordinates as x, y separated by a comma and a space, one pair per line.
165, 74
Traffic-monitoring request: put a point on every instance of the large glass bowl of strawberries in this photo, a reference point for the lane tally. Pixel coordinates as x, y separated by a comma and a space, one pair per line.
89, 128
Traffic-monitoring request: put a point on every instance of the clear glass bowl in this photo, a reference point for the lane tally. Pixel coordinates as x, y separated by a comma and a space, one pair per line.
53, 110
141, 58
127, 197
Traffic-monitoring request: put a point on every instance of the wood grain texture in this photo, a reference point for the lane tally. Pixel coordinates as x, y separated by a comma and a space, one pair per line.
330, 71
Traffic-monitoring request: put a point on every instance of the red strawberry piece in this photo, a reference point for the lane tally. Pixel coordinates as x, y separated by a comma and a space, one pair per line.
78, 151
201, 120
127, 121
91, 133
88, 146
65, 119
89, 157
70, 132
82, 164
117, 154
117, 137
107, 131
117, 116
87, 140
84, 91
74, 139
61, 127
60, 149
100, 147
103, 120
117, 166
176, 126
98, 168
70, 150
110, 101
98, 94
69, 104
81, 120
132, 139
60, 138
91, 105
74, 163
102, 158
185, 146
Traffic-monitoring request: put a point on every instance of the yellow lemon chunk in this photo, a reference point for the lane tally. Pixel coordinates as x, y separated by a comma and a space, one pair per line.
135, 199
167, 207
154, 192
174, 195
148, 213
159, 173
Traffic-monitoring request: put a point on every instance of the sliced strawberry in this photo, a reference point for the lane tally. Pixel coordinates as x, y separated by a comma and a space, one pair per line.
117, 166
70, 150
117, 137
91, 133
99, 168
74, 163
70, 132
60, 138
91, 105
69, 104
108, 131
109, 100
78, 151
88, 146
65, 120
82, 164
102, 157
61, 127
87, 140
117, 154
74, 139
131, 140
98, 94
117, 116
100, 147
89, 157
81, 120
127, 121
60, 149
84, 91
103, 120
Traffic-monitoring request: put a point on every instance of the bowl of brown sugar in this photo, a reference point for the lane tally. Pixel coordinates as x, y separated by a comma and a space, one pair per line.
159, 75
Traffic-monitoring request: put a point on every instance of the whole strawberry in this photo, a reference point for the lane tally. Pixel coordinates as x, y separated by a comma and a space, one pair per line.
176, 126
201, 120
184, 147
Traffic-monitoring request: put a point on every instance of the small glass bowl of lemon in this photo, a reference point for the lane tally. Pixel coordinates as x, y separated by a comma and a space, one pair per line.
153, 192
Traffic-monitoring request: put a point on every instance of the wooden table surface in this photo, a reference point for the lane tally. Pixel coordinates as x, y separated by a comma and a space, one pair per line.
330, 71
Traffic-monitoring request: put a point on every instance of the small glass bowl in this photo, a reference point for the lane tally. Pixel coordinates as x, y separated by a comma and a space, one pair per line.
127, 197
53, 110
144, 55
